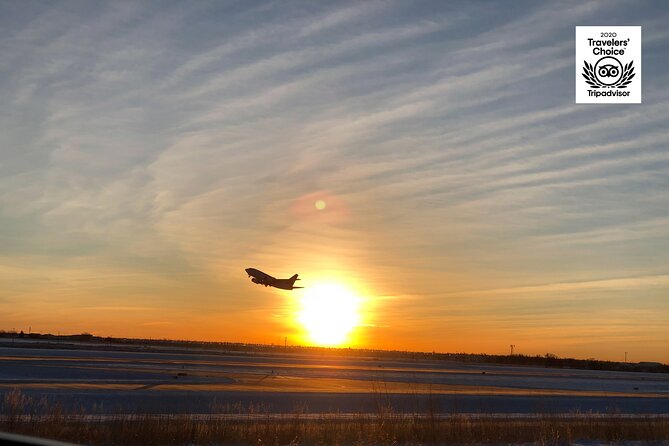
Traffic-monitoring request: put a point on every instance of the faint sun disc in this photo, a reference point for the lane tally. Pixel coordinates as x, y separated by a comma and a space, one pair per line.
320, 205
329, 312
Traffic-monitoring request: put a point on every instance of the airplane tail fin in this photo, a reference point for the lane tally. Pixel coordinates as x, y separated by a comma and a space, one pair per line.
292, 281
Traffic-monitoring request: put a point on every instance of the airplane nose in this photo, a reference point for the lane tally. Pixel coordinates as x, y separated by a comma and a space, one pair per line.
247, 270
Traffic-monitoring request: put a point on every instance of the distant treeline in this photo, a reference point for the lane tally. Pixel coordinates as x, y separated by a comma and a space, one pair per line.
547, 360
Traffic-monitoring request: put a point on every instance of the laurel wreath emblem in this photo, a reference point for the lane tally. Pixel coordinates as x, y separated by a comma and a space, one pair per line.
623, 82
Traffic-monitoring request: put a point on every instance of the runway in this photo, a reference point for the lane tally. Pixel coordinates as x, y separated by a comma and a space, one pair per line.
146, 380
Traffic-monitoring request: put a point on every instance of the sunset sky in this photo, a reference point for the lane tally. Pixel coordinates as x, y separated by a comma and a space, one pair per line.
426, 158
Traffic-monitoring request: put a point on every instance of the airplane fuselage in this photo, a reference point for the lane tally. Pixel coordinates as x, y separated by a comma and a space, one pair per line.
265, 279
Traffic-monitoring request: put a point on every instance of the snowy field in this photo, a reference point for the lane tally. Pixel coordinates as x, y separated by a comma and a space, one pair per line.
143, 380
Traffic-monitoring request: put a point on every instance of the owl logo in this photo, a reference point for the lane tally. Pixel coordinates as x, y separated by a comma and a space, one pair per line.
608, 72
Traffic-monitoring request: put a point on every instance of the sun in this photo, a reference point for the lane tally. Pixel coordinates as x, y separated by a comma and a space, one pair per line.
329, 312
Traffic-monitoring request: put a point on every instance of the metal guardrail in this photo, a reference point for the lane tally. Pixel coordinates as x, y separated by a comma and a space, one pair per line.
102, 418
23, 440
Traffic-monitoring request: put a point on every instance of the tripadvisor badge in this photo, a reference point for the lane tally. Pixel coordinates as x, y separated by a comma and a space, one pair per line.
608, 64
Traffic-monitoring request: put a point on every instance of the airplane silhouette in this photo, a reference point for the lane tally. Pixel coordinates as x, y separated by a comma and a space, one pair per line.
262, 278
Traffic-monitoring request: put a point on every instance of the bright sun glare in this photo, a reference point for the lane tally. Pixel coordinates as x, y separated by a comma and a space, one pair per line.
329, 312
